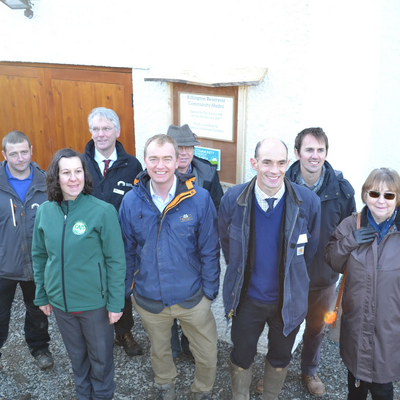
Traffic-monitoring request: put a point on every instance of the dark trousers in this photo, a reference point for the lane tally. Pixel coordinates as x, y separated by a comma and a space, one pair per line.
89, 340
247, 327
125, 323
319, 302
36, 324
176, 344
379, 391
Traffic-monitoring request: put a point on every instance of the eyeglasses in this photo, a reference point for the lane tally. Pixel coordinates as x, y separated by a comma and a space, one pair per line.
374, 194
105, 129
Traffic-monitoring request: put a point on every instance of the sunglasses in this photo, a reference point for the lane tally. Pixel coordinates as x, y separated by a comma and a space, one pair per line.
388, 196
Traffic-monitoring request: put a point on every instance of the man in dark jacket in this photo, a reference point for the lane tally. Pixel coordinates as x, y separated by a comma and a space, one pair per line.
337, 203
269, 230
206, 177
169, 227
22, 190
206, 173
113, 172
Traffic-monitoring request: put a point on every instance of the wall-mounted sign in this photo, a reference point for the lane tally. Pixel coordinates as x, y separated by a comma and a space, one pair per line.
210, 117
212, 155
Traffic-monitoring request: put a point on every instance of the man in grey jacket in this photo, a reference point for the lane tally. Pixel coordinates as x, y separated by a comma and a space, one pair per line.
22, 190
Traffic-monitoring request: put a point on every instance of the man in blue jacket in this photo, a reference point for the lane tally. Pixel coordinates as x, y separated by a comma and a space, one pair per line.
170, 233
22, 190
269, 230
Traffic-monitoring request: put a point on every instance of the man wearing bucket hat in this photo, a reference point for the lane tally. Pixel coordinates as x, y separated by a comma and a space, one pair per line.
206, 177
206, 174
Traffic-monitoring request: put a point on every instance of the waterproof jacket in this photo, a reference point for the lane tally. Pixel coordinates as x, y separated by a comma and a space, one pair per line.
170, 255
337, 203
370, 325
300, 230
207, 177
78, 256
16, 241
119, 178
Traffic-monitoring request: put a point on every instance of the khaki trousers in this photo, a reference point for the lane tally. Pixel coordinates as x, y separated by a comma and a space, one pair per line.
198, 324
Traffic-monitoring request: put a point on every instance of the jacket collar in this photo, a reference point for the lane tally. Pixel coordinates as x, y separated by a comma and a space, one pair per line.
184, 186
330, 187
365, 222
248, 191
36, 182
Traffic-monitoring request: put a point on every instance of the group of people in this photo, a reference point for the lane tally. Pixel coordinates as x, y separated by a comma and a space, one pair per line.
111, 234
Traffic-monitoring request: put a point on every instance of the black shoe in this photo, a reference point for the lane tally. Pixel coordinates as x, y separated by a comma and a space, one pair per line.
44, 359
131, 347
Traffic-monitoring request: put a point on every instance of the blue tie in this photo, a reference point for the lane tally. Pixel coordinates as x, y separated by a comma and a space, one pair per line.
270, 202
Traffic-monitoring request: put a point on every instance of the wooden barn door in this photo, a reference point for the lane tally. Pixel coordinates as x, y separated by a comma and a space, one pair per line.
51, 103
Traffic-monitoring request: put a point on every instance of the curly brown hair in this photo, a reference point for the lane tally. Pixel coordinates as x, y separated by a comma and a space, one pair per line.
54, 192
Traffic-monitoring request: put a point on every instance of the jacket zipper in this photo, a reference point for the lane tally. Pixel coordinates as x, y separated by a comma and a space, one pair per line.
291, 234
62, 261
101, 282
230, 315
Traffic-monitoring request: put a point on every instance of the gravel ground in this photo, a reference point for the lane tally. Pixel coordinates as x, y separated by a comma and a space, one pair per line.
20, 378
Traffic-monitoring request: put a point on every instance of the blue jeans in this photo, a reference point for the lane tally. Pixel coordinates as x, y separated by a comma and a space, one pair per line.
247, 327
379, 391
36, 324
319, 302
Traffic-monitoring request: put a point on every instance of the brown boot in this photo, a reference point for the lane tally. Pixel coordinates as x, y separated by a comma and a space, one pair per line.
129, 344
274, 378
241, 379
260, 386
314, 385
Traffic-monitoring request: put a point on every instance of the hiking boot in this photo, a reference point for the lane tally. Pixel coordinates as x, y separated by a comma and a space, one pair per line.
167, 391
260, 386
131, 347
314, 385
44, 359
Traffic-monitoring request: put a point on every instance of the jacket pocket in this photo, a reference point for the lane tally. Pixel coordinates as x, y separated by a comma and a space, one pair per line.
235, 233
101, 281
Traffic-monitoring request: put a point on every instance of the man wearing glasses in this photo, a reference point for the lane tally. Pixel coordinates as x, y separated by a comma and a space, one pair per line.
113, 172
337, 202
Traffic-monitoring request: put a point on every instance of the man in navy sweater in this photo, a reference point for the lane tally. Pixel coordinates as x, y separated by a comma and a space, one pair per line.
269, 230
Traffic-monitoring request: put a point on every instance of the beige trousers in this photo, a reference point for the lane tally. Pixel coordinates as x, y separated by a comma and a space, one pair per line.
198, 324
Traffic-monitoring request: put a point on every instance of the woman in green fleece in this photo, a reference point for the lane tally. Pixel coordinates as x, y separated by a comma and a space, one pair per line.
79, 270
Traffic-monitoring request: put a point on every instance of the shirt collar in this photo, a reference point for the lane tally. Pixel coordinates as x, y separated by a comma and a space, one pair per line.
317, 185
171, 191
9, 176
99, 158
260, 195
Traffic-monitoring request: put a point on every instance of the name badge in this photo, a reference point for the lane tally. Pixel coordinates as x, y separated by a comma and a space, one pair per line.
121, 192
300, 251
302, 238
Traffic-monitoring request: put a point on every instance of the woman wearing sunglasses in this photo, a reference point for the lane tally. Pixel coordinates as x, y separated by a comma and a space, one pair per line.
370, 326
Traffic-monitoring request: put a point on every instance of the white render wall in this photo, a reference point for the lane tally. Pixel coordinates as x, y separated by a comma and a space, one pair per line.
333, 64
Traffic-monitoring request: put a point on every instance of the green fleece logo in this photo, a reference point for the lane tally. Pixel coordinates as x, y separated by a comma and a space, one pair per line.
79, 228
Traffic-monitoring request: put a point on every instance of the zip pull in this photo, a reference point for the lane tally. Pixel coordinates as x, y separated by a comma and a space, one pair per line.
65, 219
357, 383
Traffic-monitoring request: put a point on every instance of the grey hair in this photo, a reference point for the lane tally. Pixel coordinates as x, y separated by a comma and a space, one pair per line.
107, 114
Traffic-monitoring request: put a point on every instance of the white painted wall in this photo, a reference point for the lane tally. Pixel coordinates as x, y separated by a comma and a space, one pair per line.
333, 64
